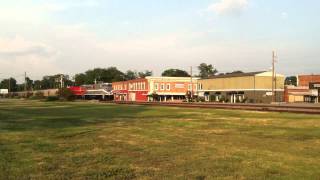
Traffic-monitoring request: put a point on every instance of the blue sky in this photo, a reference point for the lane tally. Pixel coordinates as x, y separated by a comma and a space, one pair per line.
70, 36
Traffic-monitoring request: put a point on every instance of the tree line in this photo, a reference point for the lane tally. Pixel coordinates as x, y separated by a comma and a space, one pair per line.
106, 75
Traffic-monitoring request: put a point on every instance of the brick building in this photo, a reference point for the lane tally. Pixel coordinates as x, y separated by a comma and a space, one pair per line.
305, 80
133, 90
300, 94
307, 90
154, 89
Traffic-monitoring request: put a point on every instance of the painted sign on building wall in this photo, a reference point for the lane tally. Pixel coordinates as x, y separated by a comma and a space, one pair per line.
179, 86
314, 85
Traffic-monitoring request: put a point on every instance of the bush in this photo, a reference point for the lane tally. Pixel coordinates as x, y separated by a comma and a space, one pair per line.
212, 98
245, 100
53, 98
201, 99
37, 95
155, 97
222, 99
66, 94
28, 95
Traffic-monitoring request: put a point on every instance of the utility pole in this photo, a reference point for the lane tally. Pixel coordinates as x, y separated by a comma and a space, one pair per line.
25, 81
191, 74
273, 75
61, 81
9, 88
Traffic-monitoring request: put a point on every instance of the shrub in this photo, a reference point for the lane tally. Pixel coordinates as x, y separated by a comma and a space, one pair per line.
222, 99
28, 94
212, 98
245, 100
66, 94
155, 96
201, 99
53, 98
39, 94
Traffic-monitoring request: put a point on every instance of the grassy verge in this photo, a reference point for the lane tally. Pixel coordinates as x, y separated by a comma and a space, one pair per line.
61, 140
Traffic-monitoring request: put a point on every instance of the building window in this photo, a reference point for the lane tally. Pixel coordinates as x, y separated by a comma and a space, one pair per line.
200, 86
156, 86
162, 87
168, 87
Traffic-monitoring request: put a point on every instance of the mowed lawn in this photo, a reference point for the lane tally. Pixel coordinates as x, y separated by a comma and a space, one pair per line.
58, 140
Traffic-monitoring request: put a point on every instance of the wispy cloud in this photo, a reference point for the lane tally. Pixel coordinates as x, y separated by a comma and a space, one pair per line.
284, 15
18, 46
228, 6
18, 55
24, 10
61, 6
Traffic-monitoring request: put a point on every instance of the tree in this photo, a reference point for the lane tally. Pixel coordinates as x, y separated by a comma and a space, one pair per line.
130, 75
80, 79
29, 84
52, 82
235, 72
93, 75
37, 85
66, 94
145, 74
207, 70
108, 75
291, 80
175, 73
10, 84
112, 74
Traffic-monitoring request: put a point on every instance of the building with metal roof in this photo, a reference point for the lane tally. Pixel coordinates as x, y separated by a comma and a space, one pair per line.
253, 87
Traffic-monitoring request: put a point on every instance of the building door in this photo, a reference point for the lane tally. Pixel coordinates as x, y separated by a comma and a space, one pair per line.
132, 96
236, 97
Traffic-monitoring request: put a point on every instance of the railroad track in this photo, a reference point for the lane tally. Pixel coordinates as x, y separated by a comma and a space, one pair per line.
251, 107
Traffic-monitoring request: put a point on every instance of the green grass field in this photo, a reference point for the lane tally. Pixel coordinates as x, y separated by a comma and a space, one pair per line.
57, 140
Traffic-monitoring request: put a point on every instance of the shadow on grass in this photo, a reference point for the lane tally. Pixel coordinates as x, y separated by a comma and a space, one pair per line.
25, 118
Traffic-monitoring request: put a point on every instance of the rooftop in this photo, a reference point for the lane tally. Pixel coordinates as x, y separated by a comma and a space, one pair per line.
236, 75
